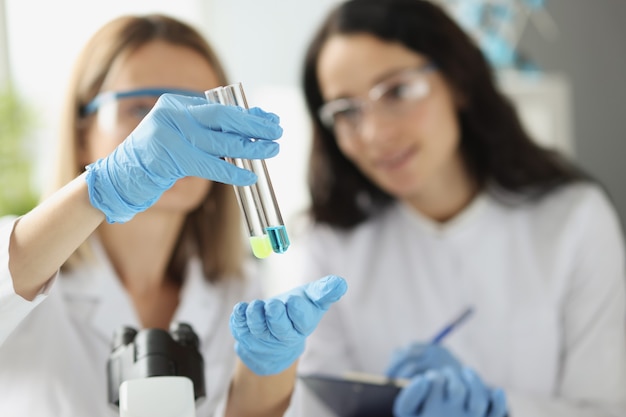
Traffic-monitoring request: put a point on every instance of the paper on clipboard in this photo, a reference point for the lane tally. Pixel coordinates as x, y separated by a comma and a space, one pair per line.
355, 394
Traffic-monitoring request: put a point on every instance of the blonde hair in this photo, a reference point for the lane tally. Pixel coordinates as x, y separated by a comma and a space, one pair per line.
213, 230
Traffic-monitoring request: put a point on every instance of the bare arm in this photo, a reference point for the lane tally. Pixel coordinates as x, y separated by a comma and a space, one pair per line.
44, 238
260, 396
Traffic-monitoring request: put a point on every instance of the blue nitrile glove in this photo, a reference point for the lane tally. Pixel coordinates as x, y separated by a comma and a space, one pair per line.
182, 136
418, 358
270, 334
448, 392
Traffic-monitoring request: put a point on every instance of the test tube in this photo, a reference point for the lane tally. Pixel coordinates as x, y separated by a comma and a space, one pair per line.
258, 203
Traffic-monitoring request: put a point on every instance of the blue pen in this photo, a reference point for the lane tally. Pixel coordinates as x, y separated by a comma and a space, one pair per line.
446, 330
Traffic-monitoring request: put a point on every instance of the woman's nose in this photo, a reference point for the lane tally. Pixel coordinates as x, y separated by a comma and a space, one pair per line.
376, 127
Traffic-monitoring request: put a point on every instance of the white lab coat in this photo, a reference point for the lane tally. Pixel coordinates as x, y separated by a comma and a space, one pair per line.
54, 350
546, 281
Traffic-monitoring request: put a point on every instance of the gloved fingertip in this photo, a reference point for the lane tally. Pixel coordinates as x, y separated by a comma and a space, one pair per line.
278, 132
411, 397
274, 308
432, 375
396, 364
499, 396
269, 149
257, 111
327, 290
239, 310
498, 403
468, 374
244, 178
409, 370
238, 317
269, 131
455, 389
395, 374
255, 317
255, 306
274, 117
238, 322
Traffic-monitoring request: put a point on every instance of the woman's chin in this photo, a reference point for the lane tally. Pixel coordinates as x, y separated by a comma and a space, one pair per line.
186, 194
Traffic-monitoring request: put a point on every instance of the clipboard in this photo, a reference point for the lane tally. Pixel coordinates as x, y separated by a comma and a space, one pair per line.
355, 394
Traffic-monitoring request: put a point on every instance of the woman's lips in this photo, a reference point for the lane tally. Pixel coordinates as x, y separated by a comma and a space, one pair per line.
395, 160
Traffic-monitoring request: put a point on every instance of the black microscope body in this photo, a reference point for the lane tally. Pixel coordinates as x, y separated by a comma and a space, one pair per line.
155, 352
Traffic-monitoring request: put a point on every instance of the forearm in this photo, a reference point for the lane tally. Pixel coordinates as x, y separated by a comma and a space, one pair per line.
43, 239
260, 396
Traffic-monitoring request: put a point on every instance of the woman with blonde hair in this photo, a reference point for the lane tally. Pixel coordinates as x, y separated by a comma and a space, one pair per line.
142, 149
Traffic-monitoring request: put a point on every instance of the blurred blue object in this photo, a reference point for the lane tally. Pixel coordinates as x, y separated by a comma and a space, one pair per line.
418, 358
449, 393
497, 26
499, 51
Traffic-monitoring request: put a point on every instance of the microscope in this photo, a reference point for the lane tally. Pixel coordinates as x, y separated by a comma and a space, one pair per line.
156, 373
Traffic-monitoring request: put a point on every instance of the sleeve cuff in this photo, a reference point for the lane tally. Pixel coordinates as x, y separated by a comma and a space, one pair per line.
13, 307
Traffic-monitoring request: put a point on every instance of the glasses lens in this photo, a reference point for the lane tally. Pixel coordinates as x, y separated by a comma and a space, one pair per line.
392, 97
407, 88
122, 111
131, 111
341, 112
124, 114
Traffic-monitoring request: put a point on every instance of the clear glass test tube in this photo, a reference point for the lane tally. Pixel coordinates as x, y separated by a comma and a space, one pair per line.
265, 225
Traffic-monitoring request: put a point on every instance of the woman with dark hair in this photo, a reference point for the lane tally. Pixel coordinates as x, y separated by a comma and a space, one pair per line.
429, 197
141, 228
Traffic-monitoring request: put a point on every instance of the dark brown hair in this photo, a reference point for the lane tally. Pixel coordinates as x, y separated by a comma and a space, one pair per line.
494, 145
213, 230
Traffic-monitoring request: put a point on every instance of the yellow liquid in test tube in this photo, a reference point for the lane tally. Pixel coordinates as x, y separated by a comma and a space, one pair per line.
261, 246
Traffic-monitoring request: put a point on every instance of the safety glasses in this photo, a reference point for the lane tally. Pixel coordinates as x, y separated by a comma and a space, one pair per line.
121, 111
392, 97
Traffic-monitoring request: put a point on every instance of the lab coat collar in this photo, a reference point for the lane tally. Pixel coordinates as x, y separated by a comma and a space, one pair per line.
112, 308
458, 226
95, 284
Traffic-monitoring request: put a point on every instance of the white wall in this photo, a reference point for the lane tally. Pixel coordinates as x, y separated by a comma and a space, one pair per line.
590, 51
4, 56
44, 38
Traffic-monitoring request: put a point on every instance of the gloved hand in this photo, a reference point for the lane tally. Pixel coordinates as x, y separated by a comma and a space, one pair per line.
418, 358
181, 136
450, 393
270, 335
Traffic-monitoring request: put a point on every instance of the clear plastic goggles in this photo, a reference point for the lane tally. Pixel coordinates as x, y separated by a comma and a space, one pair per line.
121, 111
392, 97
